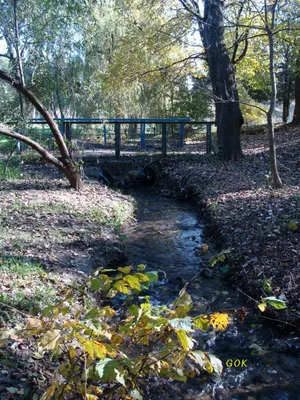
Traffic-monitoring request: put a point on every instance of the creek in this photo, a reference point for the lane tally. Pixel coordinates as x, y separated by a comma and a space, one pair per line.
167, 236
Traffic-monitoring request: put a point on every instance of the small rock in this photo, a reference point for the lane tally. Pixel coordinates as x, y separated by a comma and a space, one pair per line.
4, 372
12, 390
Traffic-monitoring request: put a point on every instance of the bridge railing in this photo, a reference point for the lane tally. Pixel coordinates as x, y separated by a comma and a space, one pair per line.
133, 134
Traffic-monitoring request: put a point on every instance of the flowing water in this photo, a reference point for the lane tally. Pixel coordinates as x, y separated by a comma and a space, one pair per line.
167, 237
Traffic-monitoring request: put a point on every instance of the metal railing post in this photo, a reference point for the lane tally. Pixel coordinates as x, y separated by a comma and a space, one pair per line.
117, 140
143, 136
104, 135
164, 139
181, 135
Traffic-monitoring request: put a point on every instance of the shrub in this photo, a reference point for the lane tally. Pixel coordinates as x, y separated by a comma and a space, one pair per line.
107, 339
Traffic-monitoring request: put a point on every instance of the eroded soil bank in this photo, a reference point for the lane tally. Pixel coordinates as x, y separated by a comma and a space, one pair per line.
259, 224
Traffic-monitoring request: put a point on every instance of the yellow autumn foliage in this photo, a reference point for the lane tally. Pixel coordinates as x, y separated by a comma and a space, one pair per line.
219, 321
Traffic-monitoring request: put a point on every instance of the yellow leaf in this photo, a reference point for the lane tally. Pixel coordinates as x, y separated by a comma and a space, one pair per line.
185, 341
145, 340
48, 340
95, 389
293, 225
209, 368
94, 349
116, 339
219, 321
262, 307
122, 287
72, 353
48, 395
133, 282
125, 270
201, 323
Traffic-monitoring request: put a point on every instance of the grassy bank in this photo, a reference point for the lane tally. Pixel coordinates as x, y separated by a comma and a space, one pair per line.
51, 237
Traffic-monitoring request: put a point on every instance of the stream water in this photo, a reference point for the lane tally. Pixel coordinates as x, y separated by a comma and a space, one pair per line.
167, 237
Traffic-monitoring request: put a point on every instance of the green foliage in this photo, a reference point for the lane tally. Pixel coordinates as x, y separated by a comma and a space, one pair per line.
278, 304
25, 284
267, 286
221, 257
107, 353
293, 225
10, 171
9, 166
252, 115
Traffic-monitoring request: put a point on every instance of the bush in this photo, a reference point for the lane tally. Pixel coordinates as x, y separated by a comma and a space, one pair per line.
105, 350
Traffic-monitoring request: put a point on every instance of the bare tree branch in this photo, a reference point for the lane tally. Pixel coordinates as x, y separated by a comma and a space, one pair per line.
191, 10
192, 57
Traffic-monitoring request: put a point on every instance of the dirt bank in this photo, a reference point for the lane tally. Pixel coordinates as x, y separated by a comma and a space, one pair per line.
43, 220
258, 223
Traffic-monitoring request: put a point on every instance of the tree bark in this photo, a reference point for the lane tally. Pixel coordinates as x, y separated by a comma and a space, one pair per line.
228, 114
286, 86
276, 181
69, 168
285, 109
296, 116
19, 66
72, 176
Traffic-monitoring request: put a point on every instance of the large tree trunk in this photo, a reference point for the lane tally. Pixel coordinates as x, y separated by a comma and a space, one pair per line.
296, 117
276, 181
68, 166
228, 114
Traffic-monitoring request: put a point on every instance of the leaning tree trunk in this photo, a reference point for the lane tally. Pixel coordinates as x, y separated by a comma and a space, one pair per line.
66, 164
228, 114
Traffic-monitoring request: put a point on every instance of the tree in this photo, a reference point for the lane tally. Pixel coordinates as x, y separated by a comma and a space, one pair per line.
285, 82
66, 164
296, 116
229, 118
269, 28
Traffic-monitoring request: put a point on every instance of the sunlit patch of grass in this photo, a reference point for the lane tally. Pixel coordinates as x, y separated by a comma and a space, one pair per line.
11, 173
24, 285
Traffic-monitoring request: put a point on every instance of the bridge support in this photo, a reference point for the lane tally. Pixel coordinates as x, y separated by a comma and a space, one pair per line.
164, 139
104, 135
117, 140
143, 136
181, 135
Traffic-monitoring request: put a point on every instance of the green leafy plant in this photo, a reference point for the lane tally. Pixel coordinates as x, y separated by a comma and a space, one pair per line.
273, 301
221, 257
267, 286
105, 352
